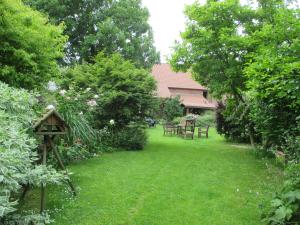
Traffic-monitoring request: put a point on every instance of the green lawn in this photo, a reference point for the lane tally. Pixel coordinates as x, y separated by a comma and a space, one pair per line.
172, 182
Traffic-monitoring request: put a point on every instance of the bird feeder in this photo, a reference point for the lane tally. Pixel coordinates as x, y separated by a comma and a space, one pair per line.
49, 127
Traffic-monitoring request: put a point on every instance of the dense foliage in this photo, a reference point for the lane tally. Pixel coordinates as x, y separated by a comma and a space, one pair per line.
29, 46
131, 137
111, 26
285, 207
249, 58
206, 118
76, 106
104, 102
125, 92
233, 49
274, 77
213, 47
172, 108
18, 155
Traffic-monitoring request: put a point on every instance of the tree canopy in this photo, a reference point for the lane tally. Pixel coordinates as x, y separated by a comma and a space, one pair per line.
251, 56
30, 45
125, 92
103, 25
215, 44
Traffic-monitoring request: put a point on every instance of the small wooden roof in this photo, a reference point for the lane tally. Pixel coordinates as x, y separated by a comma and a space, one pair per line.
52, 119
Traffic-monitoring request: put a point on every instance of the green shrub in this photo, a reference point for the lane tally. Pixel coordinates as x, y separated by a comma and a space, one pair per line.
75, 152
234, 121
18, 155
285, 206
207, 118
292, 148
172, 108
177, 120
76, 106
132, 137
125, 91
30, 46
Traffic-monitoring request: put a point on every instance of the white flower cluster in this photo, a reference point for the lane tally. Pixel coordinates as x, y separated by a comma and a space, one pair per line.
92, 102
112, 122
62, 92
51, 86
50, 107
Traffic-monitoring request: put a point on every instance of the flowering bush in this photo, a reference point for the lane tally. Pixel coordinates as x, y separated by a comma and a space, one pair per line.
77, 107
18, 155
124, 93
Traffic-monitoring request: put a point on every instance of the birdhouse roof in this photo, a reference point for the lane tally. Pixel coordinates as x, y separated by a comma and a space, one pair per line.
46, 116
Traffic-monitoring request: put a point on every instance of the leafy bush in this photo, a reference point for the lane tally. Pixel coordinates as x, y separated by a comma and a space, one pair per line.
207, 118
76, 106
75, 152
274, 76
285, 207
228, 125
18, 155
30, 46
172, 108
125, 92
76, 109
235, 123
132, 137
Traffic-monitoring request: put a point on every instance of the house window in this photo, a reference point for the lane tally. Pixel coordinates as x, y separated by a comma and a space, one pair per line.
205, 94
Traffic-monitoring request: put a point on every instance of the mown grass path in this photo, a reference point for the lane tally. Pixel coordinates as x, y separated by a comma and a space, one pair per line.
172, 182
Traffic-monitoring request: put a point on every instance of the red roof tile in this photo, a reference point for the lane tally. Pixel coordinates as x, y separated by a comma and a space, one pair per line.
169, 83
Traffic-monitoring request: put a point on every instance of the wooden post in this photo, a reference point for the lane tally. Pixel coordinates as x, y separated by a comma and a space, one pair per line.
50, 125
42, 185
61, 165
187, 111
25, 189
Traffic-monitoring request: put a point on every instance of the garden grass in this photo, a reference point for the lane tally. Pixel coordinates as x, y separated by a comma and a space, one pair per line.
171, 182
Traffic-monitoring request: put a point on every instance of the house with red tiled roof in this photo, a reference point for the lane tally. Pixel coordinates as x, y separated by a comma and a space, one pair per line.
194, 96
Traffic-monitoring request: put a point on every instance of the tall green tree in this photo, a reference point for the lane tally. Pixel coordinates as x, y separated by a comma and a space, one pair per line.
274, 76
29, 45
215, 44
103, 25
125, 91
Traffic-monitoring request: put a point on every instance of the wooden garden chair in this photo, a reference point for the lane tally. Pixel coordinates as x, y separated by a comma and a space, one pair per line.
189, 129
181, 126
169, 129
203, 130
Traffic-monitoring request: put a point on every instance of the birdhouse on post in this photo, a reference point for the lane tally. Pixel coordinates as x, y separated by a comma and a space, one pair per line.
50, 126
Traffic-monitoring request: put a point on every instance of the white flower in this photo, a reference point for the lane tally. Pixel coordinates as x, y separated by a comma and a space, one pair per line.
62, 92
112, 122
96, 96
81, 113
88, 89
50, 107
92, 103
51, 86
75, 99
68, 98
